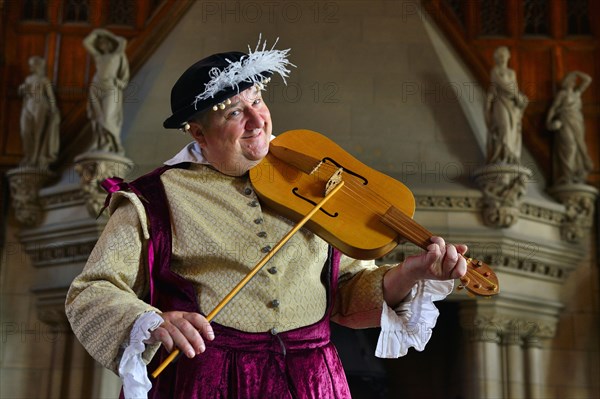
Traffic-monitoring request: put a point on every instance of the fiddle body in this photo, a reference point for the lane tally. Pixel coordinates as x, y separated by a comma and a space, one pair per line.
366, 219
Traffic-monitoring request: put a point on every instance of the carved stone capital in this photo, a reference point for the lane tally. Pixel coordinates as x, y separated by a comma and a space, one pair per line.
510, 320
25, 184
509, 330
503, 186
93, 168
578, 200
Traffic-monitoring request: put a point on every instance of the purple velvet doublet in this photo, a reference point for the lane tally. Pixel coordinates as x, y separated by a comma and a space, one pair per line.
300, 363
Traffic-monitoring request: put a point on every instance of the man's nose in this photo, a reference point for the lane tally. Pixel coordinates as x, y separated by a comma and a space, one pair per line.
255, 120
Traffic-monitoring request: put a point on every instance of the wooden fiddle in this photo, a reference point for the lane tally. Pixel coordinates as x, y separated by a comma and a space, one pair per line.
366, 219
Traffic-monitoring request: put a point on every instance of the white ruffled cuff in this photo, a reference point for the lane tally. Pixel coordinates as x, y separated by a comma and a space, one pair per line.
132, 368
411, 323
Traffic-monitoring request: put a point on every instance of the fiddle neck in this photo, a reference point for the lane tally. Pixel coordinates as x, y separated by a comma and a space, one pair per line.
407, 227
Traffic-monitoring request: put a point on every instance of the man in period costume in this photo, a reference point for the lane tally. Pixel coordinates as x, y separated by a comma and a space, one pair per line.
181, 238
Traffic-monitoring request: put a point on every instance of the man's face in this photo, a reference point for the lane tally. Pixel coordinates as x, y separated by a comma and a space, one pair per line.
236, 138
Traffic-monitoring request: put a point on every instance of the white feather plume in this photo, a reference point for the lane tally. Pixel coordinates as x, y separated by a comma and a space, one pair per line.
248, 69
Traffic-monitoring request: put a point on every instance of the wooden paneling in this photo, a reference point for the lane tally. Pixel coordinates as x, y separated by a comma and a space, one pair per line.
541, 62
535, 80
69, 67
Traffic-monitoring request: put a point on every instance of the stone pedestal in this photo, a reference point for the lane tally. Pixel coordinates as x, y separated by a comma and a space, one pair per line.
93, 167
502, 185
25, 184
578, 200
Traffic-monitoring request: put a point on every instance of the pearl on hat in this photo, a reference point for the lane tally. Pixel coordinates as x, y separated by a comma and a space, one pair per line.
186, 128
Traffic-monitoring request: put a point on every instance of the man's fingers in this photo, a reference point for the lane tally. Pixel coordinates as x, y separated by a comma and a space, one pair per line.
439, 241
460, 269
162, 335
451, 256
455, 265
184, 330
180, 340
201, 325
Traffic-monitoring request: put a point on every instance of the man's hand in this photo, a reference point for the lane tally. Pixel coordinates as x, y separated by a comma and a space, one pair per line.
441, 262
184, 330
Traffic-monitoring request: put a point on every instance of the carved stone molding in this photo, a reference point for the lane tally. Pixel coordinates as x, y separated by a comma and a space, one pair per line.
543, 214
50, 306
503, 186
60, 252
528, 265
93, 167
578, 200
449, 202
25, 184
528, 210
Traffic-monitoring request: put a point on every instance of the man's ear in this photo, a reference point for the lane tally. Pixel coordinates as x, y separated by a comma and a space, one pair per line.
196, 133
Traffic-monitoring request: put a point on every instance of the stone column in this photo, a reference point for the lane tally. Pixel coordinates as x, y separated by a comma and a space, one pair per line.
484, 365
535, 377
515, 367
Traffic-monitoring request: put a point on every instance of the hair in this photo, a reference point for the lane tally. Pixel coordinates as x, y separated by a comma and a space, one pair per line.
201, 117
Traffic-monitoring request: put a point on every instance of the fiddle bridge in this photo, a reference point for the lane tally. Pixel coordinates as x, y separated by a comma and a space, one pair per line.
333, 181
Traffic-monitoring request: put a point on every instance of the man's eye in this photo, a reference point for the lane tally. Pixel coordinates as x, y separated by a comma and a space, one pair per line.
233, 114
257, 101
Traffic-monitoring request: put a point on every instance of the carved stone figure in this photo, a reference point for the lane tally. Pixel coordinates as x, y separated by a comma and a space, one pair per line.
105, 102
572, 163
503, 112
40, 118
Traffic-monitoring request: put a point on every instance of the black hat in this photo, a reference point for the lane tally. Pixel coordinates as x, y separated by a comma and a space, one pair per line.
214, 79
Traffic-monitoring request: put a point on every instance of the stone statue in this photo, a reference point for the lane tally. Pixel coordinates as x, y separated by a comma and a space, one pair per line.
40, 118
503, 112
572, 163
105, 102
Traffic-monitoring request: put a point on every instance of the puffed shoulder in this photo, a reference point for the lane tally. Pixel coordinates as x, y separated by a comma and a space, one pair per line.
117, 200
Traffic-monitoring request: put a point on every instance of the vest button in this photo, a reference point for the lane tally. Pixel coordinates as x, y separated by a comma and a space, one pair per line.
262, 234
248, 191
265, 249
258, 220
272, 270
275, 303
